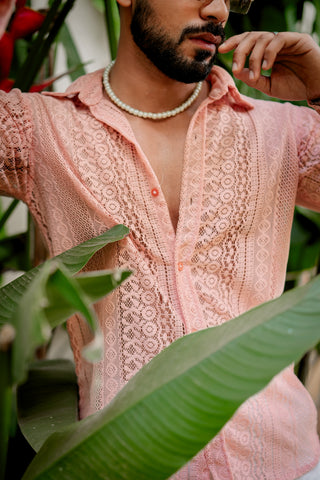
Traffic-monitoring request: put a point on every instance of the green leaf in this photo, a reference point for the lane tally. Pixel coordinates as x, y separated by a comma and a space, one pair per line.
51, 298
30, 323
113, 25
72, 55
73, 259
48, 400
63, 291
6, 215
317, 20
40, 47
5, 407
305, 242
272, 19
290, 15
99, 5
184, 396
13, 252
67, 294
30, 309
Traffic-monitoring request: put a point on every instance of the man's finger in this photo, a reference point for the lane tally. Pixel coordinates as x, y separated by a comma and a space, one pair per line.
272, 51
253, 46
232, 42
262, 83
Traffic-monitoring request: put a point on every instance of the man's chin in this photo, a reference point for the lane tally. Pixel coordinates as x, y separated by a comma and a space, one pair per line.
184, 69
192, 77
199, 73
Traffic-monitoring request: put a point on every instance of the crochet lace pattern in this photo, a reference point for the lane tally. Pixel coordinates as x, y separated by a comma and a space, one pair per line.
74, 160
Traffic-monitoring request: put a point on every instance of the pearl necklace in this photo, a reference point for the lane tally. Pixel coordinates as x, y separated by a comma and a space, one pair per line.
139, 113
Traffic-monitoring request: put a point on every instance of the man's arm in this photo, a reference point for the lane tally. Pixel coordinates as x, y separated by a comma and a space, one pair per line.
294, 60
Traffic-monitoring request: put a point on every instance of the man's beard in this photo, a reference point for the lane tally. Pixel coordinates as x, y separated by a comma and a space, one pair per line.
163, 52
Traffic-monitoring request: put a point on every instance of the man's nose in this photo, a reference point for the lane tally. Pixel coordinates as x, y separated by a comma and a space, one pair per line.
214, 10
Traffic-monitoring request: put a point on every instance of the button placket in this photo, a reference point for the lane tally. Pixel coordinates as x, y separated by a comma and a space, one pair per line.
188, 227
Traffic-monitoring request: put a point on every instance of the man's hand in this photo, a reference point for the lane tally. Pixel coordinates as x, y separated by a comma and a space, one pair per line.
6, 9
294, 60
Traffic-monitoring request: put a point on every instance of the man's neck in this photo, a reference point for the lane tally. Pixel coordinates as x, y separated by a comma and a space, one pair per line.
138, 83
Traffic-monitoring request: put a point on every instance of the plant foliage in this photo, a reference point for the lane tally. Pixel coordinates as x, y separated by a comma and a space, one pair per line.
180, 400
38, 301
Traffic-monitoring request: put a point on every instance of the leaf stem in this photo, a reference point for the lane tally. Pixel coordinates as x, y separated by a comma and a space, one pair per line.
41, 46
113, 26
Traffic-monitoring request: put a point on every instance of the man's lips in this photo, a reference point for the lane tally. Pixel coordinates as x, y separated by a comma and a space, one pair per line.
206, 40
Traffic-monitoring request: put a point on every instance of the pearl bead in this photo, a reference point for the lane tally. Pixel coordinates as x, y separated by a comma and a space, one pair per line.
149, 115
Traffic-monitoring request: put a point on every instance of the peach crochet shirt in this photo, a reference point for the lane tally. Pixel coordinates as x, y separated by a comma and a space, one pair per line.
74, 160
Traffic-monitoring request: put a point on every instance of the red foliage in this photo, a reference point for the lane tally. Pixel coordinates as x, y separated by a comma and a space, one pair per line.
6, 54
25, 22
6, 84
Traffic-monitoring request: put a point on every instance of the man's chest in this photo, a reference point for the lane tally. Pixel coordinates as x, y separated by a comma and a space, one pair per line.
164, 149
210, 170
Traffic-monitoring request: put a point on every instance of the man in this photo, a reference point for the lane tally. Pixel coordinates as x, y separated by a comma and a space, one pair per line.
207, 187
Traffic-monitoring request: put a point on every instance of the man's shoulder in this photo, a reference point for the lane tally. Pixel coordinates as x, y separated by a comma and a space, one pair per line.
88, 88
223, 86
285, 110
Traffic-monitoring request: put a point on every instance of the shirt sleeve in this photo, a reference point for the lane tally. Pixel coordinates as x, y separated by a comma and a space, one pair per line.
15, 144
307, 132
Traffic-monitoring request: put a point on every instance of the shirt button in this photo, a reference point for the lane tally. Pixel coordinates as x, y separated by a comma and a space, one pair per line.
180, 266
154, 192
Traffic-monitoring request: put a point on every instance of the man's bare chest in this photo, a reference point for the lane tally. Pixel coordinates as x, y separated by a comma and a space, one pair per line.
164, 151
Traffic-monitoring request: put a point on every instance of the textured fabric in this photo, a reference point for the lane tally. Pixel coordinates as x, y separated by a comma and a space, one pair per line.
314, 474
73, 158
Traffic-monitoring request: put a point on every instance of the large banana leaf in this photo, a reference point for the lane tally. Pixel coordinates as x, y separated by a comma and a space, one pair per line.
28, 314
48, 400
182, 398
49, 300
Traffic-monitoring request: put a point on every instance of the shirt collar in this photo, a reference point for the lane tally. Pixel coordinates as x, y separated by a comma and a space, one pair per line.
223, 87
89, 89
